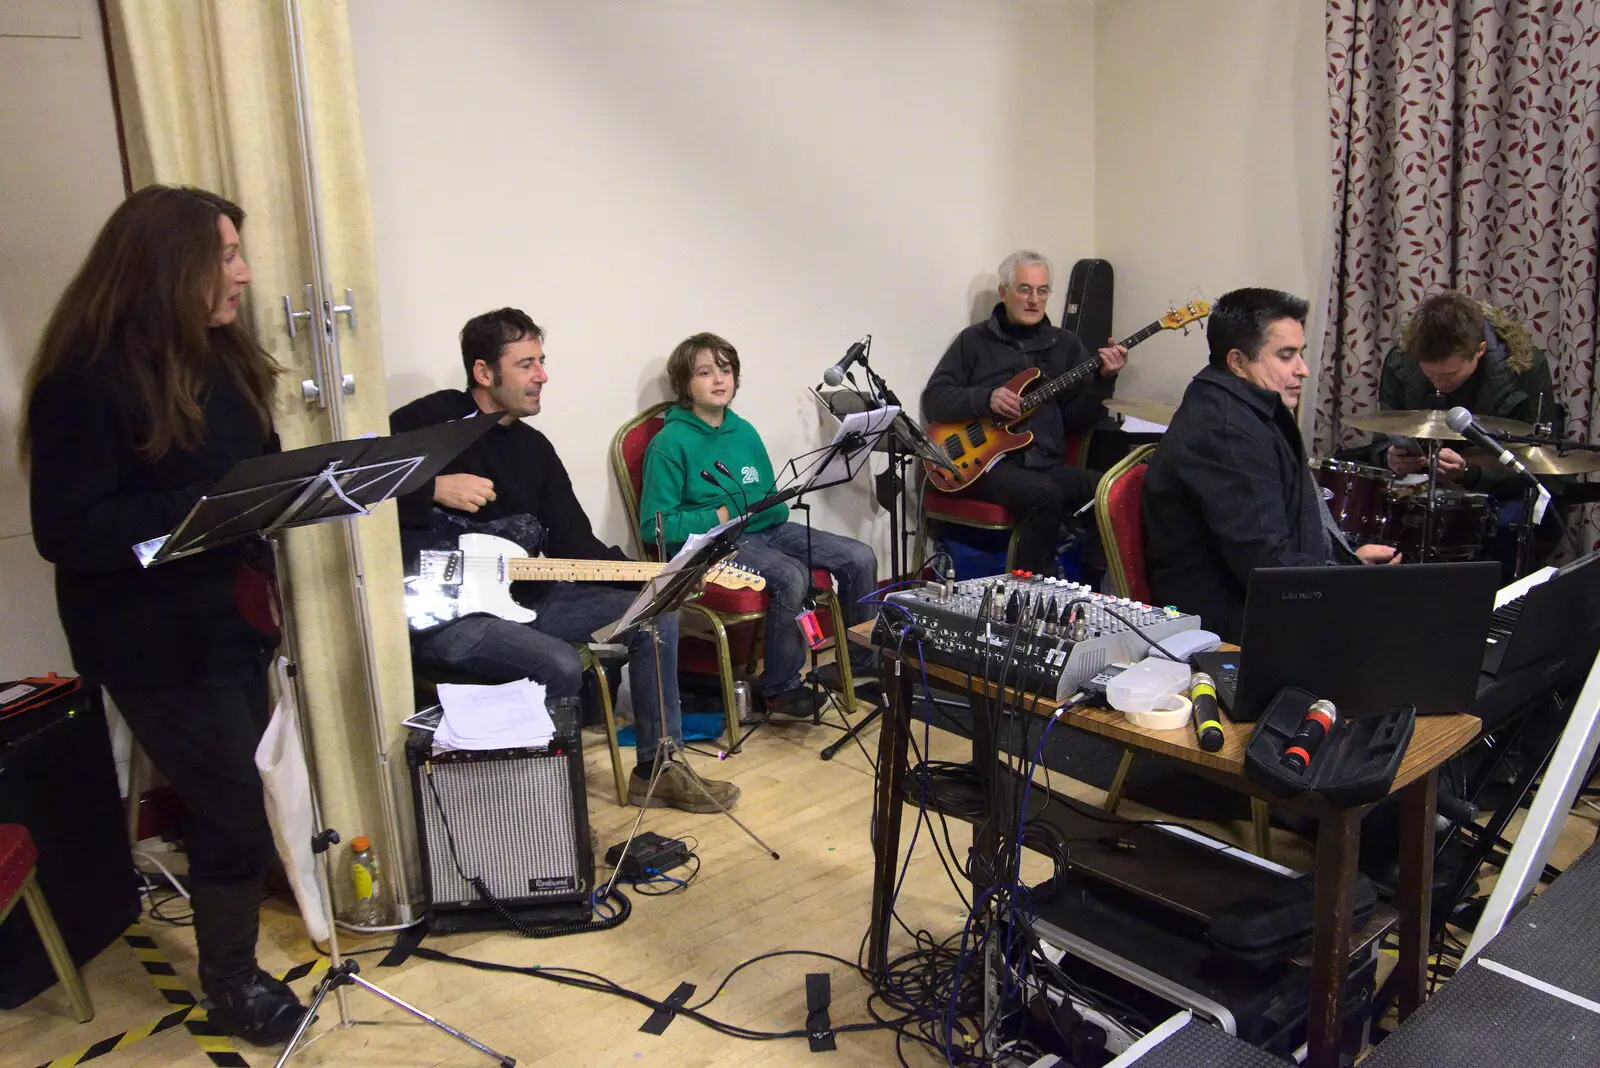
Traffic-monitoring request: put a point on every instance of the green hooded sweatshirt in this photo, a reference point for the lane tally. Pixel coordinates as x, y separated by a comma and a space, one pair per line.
688, 445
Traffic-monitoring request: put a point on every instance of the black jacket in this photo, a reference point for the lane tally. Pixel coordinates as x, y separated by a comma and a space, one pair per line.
93, 496
983, 357
1511, 385
528, 478
1228, 491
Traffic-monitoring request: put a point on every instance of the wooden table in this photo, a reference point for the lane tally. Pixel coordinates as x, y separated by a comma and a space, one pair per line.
1435, 740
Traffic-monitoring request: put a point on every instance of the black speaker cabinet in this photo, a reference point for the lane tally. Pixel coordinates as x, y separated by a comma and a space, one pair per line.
58, 779
516, 818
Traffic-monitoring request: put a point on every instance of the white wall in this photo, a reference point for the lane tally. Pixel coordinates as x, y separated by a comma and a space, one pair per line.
61, 176
788, 174
1212, 163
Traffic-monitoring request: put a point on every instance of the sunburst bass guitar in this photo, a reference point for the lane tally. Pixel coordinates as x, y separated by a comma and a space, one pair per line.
975, 445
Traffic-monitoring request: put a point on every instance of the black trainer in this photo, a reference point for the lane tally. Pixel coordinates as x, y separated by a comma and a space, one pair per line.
796, 702
255, 1007
240, 998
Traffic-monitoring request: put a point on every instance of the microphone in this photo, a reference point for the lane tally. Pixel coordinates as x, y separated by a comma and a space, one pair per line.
712, 479
720, 466
1462, 422
857, 352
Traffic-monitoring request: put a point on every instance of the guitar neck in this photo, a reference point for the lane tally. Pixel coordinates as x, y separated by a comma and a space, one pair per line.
1081, 373
544, 569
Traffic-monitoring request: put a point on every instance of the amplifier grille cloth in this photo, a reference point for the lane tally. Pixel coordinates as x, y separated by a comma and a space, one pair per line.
513, 826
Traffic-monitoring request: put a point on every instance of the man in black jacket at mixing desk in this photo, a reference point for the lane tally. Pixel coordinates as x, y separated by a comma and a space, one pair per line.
1229, 489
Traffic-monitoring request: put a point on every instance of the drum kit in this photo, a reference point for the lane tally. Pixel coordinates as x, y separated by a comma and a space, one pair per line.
1425, 521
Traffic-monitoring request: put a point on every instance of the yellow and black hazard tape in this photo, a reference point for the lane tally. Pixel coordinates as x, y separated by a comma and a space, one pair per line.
189, 1012
122, 1041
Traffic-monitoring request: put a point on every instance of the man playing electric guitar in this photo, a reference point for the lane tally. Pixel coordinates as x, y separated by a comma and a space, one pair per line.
970, 383
513, 475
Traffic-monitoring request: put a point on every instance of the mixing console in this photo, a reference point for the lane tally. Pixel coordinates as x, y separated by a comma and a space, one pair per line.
1064, 633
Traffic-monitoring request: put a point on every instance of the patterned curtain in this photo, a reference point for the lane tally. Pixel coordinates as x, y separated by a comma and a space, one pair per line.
1466, 148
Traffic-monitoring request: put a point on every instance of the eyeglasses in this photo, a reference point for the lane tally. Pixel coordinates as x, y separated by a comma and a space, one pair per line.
1028, 291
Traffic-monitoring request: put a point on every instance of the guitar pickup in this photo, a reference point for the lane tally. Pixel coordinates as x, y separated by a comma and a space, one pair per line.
440, 567
953, 447
976, 435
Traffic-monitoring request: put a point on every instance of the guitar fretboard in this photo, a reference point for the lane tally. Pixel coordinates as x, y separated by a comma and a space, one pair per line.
1081, 373
540, 569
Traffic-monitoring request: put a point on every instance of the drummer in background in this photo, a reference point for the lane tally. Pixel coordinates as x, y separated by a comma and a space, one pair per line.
1458, 352
1229, 489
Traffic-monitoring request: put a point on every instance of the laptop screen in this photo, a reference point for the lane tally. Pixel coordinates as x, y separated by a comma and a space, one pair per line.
1366, 638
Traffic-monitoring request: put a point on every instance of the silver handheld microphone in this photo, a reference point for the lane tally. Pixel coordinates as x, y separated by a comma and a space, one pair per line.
1462, 422
835, 374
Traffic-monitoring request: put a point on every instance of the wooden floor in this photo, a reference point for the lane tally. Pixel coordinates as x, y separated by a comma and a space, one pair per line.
743, 904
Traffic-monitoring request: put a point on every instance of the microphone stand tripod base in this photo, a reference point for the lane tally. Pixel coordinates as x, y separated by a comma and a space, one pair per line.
345, 973
668, 752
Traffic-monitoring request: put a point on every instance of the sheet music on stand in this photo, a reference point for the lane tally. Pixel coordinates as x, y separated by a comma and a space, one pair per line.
913, 440
841, 458
716, 543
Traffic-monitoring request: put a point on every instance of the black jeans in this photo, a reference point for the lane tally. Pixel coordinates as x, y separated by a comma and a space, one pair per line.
1040, 499
203, 739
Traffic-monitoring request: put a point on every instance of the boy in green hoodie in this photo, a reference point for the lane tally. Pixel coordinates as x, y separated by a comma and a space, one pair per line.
703, 434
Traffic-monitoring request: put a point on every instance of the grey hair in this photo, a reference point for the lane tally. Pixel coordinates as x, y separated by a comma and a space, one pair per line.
1023, 258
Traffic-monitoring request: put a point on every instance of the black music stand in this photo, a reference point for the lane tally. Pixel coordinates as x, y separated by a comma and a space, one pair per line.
338, 480
907, 444
839, 461
661, 595
266, 494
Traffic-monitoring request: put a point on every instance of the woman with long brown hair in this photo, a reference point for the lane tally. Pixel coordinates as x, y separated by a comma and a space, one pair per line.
145, 390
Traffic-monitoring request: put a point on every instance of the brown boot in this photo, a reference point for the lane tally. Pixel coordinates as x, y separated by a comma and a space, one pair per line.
675, 790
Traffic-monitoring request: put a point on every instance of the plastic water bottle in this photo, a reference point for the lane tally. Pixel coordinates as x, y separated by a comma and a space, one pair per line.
366, 878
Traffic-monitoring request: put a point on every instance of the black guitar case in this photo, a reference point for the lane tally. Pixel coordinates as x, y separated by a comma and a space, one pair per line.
1088, 308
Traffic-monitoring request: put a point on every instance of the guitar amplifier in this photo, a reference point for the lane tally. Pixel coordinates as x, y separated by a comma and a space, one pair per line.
1087, 311
516, 818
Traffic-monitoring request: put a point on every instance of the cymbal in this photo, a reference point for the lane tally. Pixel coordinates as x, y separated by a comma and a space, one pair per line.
1540, 459
1428, 424
1151, 411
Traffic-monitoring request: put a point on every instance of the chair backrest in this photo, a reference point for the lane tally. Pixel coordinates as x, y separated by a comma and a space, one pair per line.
1076, 453
628, 451
1119, 509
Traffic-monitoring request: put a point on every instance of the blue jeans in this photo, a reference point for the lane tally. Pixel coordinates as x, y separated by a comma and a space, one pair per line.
497, 650
779, 554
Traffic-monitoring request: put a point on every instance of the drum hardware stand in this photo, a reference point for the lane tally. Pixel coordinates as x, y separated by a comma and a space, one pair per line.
1430, 510
674, 588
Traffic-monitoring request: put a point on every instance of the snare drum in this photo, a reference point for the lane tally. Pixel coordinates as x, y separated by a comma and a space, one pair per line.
1355, 494
1463, 523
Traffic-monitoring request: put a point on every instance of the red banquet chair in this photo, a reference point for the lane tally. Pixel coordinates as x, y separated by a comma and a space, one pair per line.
1119, 508
730, 616
19, 882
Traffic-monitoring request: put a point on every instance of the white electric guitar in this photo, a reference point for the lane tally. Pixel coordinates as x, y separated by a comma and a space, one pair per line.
477, 575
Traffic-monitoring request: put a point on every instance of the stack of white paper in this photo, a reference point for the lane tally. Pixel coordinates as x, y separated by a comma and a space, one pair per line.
508, 716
